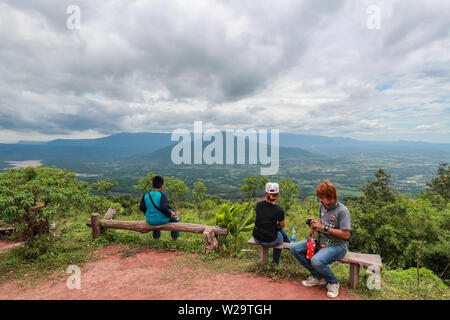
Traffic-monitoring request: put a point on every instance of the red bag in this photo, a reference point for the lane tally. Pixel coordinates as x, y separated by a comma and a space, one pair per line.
310, 246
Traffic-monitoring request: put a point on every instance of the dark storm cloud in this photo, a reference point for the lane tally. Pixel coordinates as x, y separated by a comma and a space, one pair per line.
162, 44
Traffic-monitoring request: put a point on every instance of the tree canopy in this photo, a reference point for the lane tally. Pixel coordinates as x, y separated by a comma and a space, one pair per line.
441, 183
31, 197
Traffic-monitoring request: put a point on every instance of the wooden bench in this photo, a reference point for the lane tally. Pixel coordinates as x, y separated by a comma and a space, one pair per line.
3, 229
210, 233
7, 227
355, 260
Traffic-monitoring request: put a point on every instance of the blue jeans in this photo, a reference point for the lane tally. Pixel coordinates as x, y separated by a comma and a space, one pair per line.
173, 234
157, 233
281, 237
318, 265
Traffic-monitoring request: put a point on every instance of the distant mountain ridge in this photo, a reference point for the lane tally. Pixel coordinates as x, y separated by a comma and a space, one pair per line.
324, 144
286, 140
124, 145
164, 154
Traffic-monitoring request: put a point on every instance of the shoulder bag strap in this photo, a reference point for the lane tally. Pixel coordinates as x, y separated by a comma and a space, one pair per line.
153, 202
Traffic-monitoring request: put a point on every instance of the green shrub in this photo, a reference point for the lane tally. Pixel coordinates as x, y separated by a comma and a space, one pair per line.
236, 223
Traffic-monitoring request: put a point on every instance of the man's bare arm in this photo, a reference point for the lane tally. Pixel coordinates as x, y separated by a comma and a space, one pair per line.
343, 234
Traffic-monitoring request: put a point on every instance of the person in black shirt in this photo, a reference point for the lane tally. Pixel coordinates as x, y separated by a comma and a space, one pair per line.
269, 223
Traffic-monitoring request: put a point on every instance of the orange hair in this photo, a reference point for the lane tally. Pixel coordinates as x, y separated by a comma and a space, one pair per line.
326, 190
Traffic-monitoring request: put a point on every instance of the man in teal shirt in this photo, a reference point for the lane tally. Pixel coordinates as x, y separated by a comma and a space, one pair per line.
157, 212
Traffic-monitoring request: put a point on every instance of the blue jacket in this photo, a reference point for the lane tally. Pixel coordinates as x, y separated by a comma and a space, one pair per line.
152, 215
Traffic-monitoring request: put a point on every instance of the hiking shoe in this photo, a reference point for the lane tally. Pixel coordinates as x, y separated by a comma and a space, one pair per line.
312, 282
333, 290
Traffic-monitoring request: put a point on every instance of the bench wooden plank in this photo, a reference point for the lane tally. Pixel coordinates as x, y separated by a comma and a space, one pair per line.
144, 227
284, 245
210, 233
7, 229
363, 259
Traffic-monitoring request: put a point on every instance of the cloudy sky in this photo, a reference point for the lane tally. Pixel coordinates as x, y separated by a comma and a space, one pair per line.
370, 70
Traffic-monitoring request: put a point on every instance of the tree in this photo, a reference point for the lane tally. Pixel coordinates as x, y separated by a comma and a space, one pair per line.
289, 191
104, 186
176, 190
384, 230
129, 203
436, 200
405, 232
441, 184
422, 212
145, 184
378, 191
252, 185
31, 197
200, 197
430, 239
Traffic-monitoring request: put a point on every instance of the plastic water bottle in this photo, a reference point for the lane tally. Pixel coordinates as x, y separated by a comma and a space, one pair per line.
293, 234
53, 226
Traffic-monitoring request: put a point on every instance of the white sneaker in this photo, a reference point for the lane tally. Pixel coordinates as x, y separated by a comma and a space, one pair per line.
333, 290
312, 282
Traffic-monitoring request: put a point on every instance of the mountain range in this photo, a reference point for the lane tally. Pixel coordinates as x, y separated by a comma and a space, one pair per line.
157, 147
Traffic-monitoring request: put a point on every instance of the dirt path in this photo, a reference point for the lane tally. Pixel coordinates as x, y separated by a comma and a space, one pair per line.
152, 274
5, 246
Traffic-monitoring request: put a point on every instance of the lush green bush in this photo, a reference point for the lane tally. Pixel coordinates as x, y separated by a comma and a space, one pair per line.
238, 221
300, 212
441, 183
33, 197
405, 232
129, 203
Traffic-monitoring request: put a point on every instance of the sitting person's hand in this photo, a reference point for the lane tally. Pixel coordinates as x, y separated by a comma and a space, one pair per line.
315, 224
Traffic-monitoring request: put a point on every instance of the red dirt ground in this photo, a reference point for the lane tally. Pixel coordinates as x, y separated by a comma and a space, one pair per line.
156, 275
5, 243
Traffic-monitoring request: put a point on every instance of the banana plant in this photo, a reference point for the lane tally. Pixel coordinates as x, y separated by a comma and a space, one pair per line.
232, 219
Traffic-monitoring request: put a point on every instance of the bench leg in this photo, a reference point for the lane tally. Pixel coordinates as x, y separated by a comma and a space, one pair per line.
264, 254
96, 228
354, 275
211, 243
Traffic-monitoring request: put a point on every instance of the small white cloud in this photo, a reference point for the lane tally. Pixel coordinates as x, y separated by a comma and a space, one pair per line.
427, 127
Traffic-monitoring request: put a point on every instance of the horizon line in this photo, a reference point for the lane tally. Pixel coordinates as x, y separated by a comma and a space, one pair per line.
291, 133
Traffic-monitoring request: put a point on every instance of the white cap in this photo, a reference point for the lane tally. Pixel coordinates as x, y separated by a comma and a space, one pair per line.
272, 187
